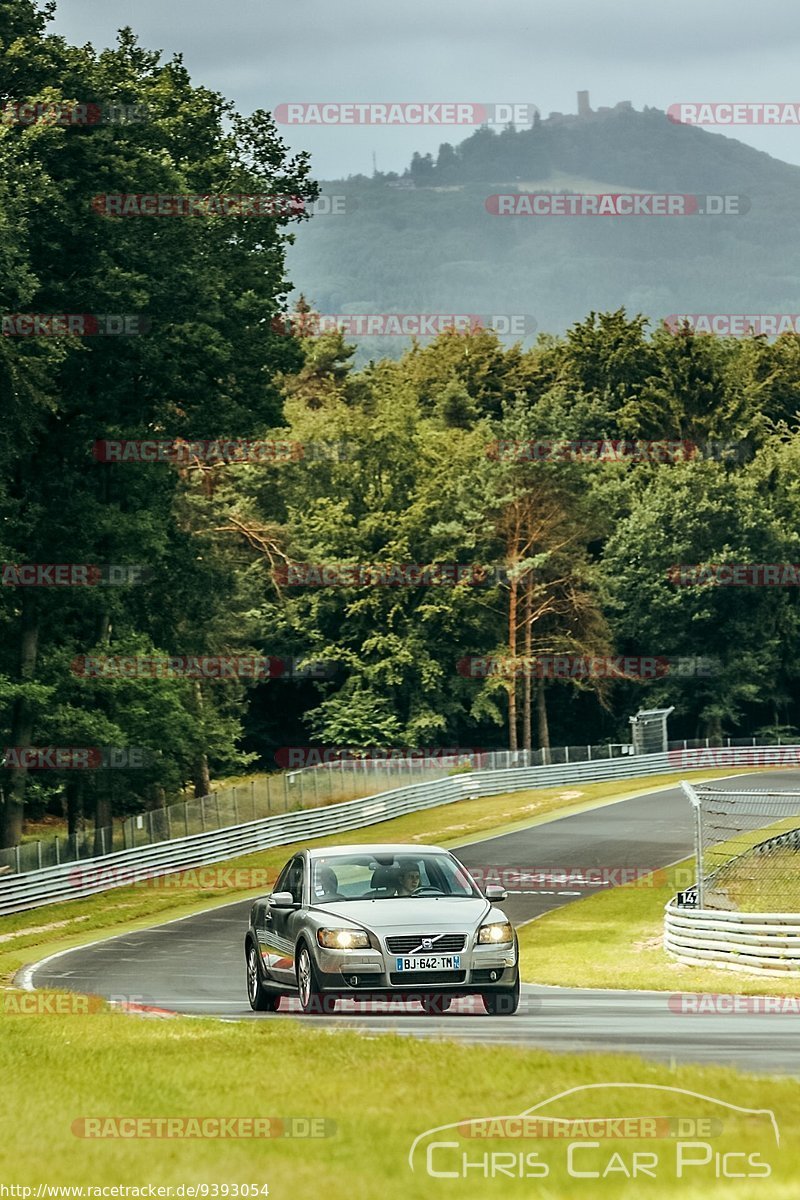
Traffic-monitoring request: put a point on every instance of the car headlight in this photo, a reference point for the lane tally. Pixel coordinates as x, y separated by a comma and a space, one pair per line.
343, 939
495, 935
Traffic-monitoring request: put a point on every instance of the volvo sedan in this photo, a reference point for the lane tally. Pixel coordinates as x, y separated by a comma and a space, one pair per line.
378, 922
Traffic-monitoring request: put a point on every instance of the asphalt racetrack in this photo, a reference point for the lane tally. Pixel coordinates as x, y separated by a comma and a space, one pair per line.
195, 965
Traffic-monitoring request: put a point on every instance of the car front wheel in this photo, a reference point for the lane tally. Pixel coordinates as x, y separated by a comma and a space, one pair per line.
260, 1000
312, 1000
502, 1003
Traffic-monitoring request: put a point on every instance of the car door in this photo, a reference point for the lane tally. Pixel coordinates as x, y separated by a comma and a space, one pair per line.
271, 933
284, 922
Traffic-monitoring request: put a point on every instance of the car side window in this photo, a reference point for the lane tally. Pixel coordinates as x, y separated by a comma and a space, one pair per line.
282, 882
294, 883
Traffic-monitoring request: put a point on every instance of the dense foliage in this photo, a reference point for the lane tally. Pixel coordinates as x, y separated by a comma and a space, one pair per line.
419, 460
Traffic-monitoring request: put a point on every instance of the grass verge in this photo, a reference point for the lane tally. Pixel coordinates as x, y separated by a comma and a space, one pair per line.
59, 1070
614, 939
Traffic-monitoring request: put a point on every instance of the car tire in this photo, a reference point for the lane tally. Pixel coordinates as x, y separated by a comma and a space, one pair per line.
260, 999
313, 1001
503, 1003
435, 1006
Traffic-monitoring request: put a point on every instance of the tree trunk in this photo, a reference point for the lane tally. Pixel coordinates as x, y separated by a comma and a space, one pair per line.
526, 678
74, 806
714, 729
103, 629
541, 717
200, 774
512, 648
21, 725
103, 842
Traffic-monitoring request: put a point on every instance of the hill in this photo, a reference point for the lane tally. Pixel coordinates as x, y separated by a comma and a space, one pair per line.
424, 242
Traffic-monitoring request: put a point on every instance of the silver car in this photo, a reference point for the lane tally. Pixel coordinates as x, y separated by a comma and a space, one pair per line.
378, 921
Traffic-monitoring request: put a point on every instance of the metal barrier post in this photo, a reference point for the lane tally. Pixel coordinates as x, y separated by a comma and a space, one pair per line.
694, 799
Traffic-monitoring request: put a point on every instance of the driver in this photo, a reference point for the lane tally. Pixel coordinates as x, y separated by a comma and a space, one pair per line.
408, 879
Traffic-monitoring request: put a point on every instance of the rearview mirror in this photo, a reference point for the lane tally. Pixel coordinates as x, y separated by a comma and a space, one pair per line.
282, 900
494, 892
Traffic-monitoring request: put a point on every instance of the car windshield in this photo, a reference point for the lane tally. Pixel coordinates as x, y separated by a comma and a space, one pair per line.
387, 877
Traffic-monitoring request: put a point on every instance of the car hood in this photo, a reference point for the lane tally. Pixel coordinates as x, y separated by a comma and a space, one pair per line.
411, 912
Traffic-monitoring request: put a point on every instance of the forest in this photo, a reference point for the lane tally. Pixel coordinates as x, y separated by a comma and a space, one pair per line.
221, 536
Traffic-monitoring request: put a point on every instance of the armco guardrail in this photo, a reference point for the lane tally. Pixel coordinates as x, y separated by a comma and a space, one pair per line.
267, 795
327, 782
70, 880
768, 943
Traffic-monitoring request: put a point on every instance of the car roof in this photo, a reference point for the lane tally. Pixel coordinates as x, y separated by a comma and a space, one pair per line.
377, 848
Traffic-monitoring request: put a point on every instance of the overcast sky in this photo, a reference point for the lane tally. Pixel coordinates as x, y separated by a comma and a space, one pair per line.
652, 52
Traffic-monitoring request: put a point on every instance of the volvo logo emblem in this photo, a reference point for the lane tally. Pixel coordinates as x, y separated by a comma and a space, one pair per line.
427, 944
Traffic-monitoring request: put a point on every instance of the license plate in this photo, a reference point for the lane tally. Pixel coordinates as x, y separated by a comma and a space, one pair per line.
429, 962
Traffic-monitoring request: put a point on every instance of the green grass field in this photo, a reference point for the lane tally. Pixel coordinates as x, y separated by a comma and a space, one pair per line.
381, 1093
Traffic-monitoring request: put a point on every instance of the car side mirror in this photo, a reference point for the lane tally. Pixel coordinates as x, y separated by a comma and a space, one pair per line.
494, 892
281, 900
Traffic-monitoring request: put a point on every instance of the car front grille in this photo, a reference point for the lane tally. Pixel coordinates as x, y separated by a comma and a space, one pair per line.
442, 943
